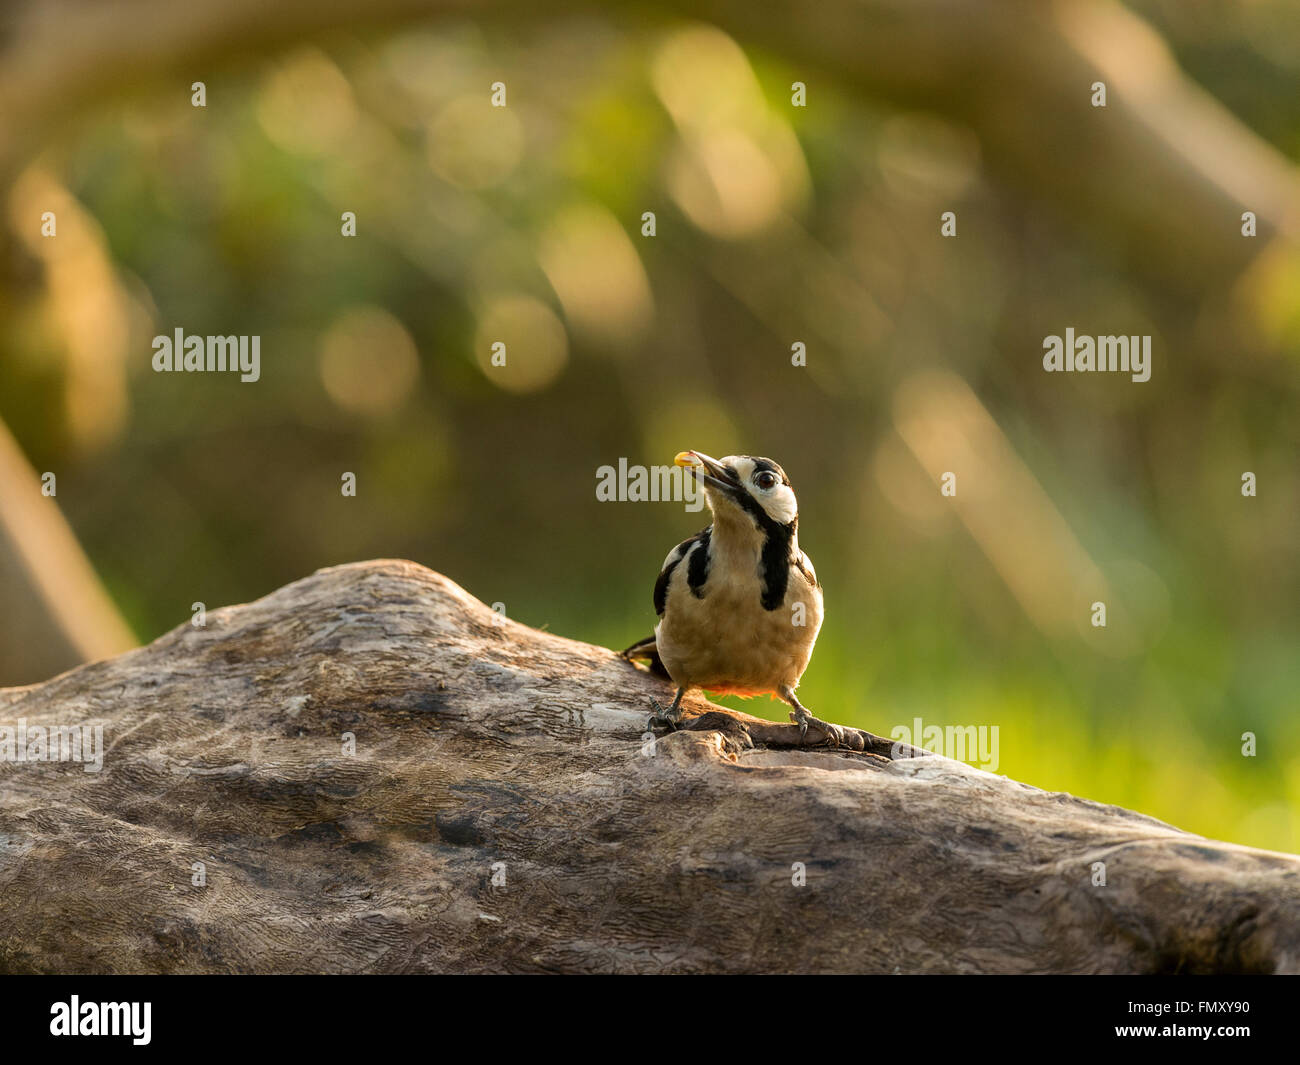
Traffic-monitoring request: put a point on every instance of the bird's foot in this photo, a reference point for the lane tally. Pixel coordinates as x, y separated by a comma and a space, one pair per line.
801, 717
669, 716
835, 734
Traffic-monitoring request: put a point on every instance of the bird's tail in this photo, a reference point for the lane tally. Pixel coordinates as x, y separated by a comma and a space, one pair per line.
647, 651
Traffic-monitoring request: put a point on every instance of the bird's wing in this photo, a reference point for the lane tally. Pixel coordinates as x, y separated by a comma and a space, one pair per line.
805, 566
647, 650
670, 563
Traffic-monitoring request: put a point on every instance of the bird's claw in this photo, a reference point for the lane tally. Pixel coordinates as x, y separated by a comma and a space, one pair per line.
835, 734
664, 715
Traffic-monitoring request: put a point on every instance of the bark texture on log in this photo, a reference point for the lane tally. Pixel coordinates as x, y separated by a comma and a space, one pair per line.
504, 812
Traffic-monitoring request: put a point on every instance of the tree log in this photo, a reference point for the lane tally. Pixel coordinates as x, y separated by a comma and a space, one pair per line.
505, 811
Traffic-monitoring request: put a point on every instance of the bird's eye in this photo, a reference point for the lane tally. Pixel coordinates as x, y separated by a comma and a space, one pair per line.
766, 480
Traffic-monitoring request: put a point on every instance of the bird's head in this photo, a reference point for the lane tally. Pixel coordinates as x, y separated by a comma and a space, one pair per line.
744, 484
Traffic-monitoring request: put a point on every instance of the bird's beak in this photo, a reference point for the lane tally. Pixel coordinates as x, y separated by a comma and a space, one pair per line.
709, 471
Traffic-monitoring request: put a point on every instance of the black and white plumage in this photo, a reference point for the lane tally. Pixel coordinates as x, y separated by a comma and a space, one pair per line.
739, 604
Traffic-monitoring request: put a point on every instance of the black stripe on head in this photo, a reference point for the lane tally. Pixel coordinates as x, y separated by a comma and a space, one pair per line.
697, 568
768, 464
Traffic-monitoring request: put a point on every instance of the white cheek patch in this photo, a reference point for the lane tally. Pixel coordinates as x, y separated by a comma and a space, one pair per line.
780, 504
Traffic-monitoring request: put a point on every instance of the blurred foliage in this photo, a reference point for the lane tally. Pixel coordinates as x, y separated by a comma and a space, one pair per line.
774, 224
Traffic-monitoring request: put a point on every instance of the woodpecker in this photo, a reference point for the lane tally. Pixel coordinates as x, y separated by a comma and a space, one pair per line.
739, 604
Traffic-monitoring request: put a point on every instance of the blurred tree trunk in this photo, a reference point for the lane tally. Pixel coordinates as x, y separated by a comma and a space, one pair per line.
54, 613
1163, 172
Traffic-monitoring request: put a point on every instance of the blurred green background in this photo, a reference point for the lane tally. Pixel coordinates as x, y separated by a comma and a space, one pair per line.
775, 224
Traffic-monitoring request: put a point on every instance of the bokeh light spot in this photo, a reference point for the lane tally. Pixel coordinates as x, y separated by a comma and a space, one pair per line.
474, 145
536, 344
368, 361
